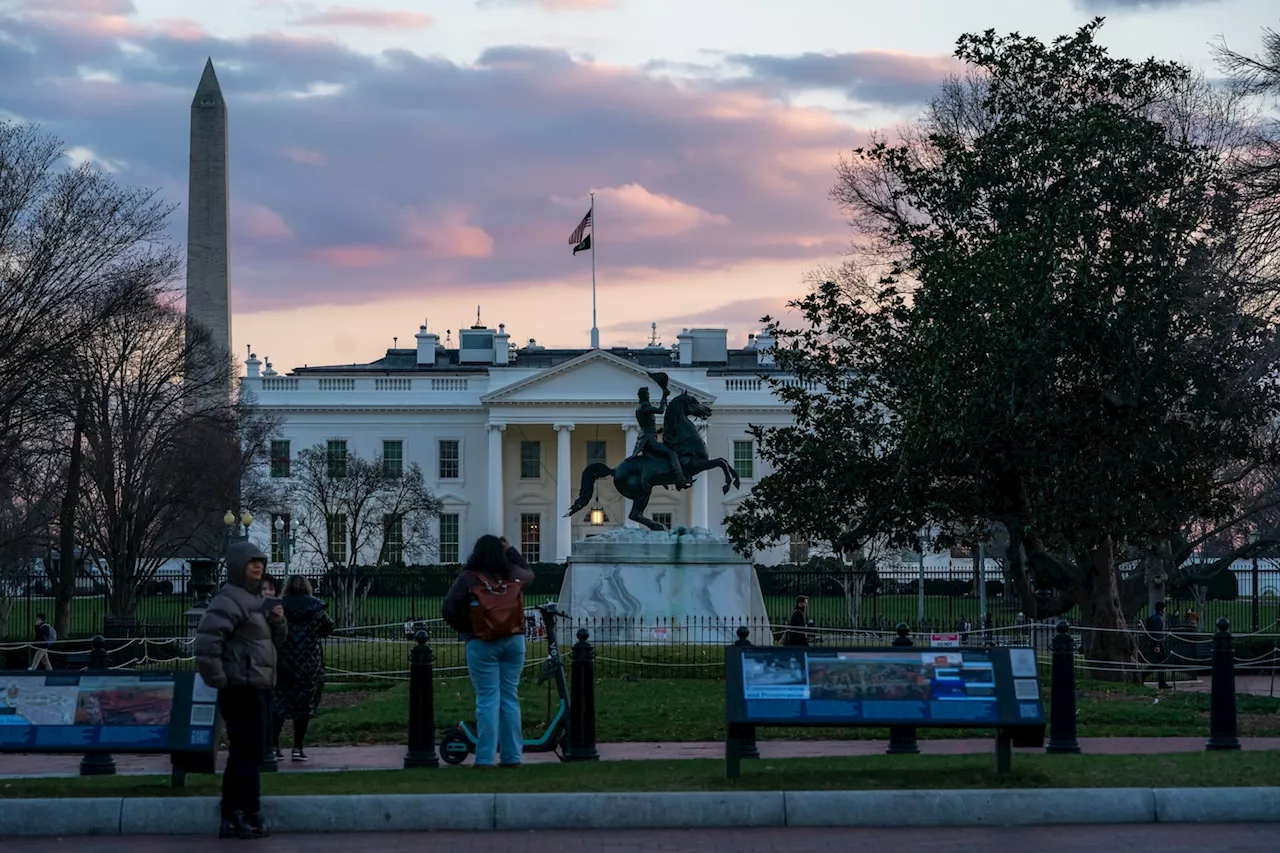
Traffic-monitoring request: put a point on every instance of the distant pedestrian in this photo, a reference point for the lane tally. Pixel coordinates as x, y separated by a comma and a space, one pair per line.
236, 650
45, 638
1157, 642
485, 606
799, 621
300, 686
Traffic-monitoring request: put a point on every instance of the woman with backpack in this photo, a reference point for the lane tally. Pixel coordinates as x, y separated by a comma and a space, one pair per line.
486, 606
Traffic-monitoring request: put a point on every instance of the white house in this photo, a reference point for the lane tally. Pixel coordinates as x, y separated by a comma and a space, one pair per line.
502, 433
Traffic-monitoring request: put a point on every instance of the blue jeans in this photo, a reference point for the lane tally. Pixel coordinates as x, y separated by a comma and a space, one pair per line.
495, 667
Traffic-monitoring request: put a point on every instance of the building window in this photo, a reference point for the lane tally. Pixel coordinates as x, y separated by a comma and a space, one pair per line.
597, 451
277, 547
799, 549
280, 458
530, 460
450, 467
336, 528
450, 537
663, 518
531, 536
392, 458
337, 457
393, 540
744, 459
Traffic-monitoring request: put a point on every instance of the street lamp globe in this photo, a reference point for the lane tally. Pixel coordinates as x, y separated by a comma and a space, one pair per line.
279, 524
1253, 537
229, 519
246, 518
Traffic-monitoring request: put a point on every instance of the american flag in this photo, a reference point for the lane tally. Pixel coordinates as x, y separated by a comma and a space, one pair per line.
576, 236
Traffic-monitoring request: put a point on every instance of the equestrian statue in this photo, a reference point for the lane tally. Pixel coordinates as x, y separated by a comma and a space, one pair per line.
672, 460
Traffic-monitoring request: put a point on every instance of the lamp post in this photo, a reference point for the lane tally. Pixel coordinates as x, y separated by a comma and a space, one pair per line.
233, 529
287, 540
920, 591
1257, 599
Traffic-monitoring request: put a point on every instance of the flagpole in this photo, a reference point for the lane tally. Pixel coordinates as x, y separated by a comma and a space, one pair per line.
595, 332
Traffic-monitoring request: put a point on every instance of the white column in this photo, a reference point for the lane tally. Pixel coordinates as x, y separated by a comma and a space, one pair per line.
497, 511
631, 433
701, 490
564, 491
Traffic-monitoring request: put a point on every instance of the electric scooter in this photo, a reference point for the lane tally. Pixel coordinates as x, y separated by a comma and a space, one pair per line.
459, 742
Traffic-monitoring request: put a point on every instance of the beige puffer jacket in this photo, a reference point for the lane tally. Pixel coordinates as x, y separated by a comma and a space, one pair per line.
235, 643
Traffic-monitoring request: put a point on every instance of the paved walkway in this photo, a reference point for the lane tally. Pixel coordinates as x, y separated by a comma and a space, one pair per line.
1182, 838
392, 757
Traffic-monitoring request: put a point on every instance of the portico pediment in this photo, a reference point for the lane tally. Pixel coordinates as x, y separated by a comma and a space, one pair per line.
595, 377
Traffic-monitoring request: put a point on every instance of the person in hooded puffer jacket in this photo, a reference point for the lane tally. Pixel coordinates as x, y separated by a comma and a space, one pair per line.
236, 651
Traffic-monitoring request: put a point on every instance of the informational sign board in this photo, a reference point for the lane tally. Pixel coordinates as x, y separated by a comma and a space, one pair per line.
139, 712
949, 641
933, 687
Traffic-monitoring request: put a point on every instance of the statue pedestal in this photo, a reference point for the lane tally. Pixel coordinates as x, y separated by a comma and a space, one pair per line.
634, 585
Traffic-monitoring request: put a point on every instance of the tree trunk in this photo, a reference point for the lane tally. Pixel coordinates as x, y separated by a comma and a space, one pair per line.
65, 584
1111, 646
6, 607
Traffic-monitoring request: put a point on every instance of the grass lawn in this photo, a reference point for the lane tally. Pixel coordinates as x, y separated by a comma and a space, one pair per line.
693, 710
880, 772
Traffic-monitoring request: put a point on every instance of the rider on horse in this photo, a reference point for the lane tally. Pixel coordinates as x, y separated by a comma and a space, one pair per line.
646, 416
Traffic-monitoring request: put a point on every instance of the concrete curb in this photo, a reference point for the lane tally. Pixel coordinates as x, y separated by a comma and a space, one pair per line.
667, 810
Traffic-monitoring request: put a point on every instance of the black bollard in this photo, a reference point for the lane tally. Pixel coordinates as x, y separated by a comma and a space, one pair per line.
749, 747
902, 739
1222, 692
582, 701
98, 763
1062, 708
422, 706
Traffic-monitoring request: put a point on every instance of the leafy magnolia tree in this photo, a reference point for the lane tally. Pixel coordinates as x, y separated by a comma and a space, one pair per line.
358, 512
1042, 324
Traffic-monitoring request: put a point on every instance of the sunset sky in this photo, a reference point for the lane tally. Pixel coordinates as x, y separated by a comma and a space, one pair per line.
395, 161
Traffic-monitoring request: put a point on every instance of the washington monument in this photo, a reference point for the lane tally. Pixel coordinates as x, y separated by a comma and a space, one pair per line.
208, 216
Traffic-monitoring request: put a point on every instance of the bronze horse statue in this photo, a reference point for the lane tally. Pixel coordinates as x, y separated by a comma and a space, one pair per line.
678, 433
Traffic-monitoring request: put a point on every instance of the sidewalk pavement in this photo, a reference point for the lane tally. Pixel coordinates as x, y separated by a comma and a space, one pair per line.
390, 757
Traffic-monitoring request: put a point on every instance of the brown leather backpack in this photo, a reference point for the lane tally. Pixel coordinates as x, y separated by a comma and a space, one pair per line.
497, 608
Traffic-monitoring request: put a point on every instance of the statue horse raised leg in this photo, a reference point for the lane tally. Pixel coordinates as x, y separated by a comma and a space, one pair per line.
630, 477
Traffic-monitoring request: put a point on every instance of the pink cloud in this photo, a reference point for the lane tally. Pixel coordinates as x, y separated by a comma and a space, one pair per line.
366, 19
263, 223
306, 156
553, 5
447, 236
355, 256
631, 212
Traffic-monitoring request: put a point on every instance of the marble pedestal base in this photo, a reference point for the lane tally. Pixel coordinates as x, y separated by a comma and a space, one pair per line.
684, 586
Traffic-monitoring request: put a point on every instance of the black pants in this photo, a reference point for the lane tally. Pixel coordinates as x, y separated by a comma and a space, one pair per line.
299, 730
245, 714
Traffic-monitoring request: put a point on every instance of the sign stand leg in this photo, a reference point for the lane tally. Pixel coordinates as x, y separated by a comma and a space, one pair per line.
1004, 751
733, 753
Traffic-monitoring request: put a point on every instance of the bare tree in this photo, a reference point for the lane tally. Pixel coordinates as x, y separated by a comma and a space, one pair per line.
359, 512
151, 431
28, 500
75, 250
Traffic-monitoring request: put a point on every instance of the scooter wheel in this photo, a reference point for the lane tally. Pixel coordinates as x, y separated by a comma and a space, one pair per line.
454, 747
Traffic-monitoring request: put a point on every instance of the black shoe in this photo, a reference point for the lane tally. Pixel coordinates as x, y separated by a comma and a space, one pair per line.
234, 826
298, 754
257, 827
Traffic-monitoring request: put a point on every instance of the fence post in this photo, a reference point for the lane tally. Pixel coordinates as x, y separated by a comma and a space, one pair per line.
582, 701
1222, 700
749, 748
902, 739
1062, 708
98, 763
422, 711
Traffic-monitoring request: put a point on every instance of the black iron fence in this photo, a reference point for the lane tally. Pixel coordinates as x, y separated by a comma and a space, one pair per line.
377, 604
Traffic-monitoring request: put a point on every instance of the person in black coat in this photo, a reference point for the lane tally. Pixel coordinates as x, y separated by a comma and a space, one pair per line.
797, 635
301, 681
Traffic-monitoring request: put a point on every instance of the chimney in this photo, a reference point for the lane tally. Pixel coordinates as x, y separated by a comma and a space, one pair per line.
764, 349
684, 341
751, 341
252, 367
427, 345
502, 346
